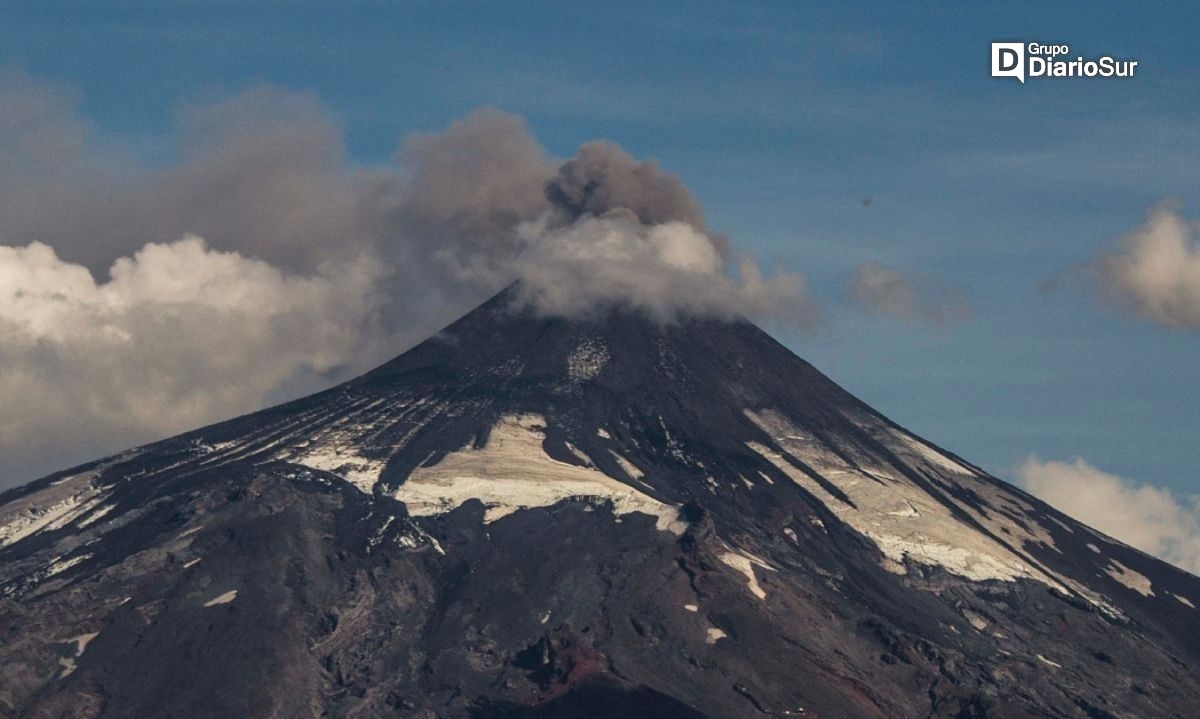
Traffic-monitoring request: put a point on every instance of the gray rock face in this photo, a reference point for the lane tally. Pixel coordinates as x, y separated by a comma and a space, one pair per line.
535, 517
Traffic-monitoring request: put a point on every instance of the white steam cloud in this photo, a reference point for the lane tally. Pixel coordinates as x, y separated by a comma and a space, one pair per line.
666, 269
1148, 518
907, 297
120, 325
1156, 271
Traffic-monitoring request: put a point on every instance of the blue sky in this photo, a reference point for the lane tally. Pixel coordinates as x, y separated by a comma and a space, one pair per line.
781, 118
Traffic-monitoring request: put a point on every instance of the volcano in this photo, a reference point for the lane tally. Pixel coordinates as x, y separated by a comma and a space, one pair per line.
530, 516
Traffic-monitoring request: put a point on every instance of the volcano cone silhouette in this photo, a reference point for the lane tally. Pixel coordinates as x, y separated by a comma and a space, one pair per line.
530, 516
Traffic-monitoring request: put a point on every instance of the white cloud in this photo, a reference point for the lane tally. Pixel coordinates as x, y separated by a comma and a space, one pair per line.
906, 296
666, 269
1156, 271
179, 336
1151, 519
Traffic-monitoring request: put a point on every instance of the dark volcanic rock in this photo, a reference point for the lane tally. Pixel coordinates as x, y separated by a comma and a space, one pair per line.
535, 517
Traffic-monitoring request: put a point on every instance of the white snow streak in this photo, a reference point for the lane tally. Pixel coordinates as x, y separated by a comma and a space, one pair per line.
627, 466
344, 461
1126, 576
225, 598
934, 457
512, 472
903, 519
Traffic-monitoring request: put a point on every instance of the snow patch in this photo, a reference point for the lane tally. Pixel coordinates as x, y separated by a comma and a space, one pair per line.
976, 621
934, 457
82, 641
512, 472
96, 515
344, 461
337, 447
225, 598
713, 635
68, 663
377, 537
579, 454
190, 531
60, 565
34, 520
1062, 524
903, 519
1131, 579
1048, 662
691, 607
1184, 600
627, 467
965, 562
1094, 548
54, 507
745, 563
60, 503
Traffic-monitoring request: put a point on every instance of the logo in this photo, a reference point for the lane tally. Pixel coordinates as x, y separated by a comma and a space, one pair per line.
1022, 60
1008, 60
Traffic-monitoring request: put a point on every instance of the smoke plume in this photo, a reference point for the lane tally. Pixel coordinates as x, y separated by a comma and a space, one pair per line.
249, 260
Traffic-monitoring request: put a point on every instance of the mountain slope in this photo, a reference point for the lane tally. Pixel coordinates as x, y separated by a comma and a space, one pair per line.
529, 516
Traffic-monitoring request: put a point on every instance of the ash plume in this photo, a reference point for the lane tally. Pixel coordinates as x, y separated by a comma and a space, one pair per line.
602, 177
325, 268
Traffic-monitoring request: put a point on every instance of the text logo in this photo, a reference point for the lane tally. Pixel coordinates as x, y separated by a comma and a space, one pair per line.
1023, 60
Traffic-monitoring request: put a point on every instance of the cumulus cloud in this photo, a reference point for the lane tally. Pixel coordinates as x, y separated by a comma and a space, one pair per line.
1151, 519
906, 296
179, 335
121, 325
1155, 272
